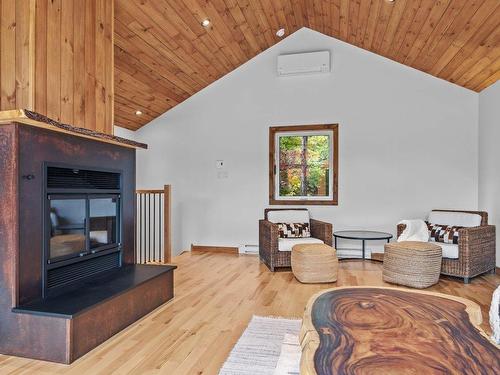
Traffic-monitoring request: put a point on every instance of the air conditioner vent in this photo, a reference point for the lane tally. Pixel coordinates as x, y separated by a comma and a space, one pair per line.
304, 63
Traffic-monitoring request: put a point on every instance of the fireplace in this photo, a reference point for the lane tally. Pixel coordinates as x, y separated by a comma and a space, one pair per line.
69, 278
82, 225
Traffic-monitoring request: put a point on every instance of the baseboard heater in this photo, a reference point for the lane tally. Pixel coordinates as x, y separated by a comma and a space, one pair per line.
248, 249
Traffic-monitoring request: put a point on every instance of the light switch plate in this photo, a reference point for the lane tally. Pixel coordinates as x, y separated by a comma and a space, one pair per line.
222, 175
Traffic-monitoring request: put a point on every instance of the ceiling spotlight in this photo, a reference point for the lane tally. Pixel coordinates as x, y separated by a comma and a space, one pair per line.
205, 22
138, 112
280, 32
390, 1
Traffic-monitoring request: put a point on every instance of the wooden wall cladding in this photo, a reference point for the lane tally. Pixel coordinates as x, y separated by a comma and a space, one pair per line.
16, 54
164, 55
57, 59
74, 46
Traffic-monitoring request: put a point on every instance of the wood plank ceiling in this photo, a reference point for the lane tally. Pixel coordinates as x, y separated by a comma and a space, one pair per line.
163, 54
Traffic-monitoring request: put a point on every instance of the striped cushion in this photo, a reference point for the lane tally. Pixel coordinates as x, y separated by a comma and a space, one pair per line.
294, 230
444, 233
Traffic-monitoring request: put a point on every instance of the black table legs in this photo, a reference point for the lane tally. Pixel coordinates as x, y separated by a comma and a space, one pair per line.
376, 236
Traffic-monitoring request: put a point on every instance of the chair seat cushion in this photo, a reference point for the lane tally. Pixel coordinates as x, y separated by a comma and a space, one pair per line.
449, 250
286, 244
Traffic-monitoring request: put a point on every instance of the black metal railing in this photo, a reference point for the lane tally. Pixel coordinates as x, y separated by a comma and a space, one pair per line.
153, 242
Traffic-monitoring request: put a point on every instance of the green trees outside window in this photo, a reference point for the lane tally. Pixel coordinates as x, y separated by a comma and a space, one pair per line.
304, 165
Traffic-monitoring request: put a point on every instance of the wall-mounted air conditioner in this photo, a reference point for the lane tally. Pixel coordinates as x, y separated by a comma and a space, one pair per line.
304, 63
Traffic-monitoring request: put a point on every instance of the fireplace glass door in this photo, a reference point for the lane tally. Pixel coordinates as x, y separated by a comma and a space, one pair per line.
67, 227
82, 224
103, 226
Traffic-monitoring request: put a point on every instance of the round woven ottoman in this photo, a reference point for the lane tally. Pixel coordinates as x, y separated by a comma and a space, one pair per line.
314, 263
414, 264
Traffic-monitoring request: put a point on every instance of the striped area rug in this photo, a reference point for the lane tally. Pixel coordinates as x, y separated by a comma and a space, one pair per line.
259, 347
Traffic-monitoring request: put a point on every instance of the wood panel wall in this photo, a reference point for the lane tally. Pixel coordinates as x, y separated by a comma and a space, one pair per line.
57, 59
164, 54
16, 54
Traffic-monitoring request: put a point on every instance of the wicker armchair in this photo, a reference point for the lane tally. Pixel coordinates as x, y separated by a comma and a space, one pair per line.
269, 237
476, 249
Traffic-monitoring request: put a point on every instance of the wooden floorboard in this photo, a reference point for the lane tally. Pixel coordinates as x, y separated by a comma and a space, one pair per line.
217, 249
215, 297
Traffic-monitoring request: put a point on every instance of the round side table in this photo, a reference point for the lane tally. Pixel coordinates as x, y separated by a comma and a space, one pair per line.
363, 236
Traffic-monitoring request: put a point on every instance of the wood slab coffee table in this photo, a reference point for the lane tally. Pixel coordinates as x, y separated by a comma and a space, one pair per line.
373, 330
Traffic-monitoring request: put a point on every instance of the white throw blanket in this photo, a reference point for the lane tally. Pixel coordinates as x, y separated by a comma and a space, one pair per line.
495, 315
416, 230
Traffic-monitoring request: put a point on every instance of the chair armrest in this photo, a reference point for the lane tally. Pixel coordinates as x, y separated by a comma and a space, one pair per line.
477, 242
401, 228
268, 238
322, 231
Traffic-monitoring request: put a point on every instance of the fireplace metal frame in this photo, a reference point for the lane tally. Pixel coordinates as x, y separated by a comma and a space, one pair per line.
77, 193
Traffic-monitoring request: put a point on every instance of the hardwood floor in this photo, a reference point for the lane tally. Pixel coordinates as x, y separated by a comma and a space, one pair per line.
215, 297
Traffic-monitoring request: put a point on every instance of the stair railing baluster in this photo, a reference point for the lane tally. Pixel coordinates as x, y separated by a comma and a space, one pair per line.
152, 222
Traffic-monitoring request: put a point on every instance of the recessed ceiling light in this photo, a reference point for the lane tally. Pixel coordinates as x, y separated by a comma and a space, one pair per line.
205, 22
390, 1
138, 112
280, 32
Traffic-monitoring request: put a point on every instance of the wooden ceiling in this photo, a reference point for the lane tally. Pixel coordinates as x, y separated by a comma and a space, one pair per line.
163, 54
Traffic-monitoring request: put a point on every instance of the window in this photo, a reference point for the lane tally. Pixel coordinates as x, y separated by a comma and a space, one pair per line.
303, 164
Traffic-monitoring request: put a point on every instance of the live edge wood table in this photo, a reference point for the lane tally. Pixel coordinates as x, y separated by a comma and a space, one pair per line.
371, 330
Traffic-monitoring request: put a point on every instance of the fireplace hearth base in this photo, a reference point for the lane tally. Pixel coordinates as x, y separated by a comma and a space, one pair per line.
88, 316
87, 295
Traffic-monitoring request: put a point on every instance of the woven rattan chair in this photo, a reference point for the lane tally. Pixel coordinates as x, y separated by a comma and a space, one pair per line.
476, 249
269, 237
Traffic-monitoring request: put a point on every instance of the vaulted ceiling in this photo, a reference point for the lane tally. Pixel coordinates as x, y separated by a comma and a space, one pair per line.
163, 54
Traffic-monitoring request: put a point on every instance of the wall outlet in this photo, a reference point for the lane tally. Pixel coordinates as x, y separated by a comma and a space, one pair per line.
219, 164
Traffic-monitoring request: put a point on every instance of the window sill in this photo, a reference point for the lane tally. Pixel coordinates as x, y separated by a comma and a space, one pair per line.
303, 202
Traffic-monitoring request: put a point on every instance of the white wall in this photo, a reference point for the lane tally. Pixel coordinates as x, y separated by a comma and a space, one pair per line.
408, 143
489, 156
124, 133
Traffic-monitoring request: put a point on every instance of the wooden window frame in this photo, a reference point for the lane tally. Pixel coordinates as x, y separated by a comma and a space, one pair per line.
273, 131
